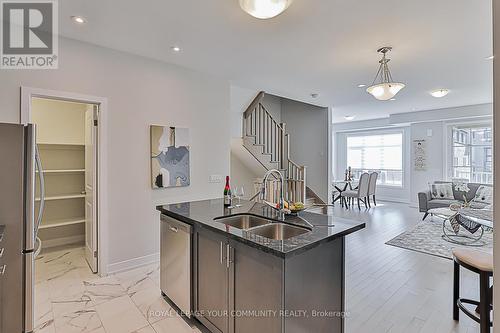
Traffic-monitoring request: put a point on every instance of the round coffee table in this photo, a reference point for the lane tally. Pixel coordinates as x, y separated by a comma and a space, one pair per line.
449, 235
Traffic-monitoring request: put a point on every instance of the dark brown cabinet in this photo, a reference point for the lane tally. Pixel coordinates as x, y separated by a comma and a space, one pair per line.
238, 288
212, 281
2, 272
256, 289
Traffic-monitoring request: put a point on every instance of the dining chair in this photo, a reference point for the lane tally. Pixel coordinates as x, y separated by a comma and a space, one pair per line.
361, 193
372, 188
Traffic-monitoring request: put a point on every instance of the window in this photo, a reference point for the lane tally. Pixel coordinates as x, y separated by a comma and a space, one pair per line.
472, 154
382, 153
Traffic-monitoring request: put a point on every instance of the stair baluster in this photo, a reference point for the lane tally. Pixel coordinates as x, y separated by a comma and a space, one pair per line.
261, 129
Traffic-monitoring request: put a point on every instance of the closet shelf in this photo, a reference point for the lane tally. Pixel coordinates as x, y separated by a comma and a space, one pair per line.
62, 223
60, 144
63, 171
63, 197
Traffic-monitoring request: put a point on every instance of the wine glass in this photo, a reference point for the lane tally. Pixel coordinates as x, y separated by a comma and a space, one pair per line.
241, 194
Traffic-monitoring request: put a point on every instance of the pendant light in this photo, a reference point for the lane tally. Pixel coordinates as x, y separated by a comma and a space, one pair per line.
264, 9
383, 87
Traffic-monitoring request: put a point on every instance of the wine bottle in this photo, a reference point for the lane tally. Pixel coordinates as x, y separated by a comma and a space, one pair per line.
227, 193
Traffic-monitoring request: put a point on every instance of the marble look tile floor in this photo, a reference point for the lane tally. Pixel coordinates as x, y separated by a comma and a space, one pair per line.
70, 299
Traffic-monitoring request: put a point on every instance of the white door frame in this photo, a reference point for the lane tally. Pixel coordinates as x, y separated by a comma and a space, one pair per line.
27, 93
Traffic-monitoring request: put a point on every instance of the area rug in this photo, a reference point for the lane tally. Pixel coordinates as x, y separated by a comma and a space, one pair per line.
425, 237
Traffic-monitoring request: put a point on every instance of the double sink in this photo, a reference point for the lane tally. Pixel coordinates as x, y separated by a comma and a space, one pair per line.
263, 227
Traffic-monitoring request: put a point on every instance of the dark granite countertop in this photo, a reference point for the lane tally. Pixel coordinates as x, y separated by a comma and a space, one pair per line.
203, 213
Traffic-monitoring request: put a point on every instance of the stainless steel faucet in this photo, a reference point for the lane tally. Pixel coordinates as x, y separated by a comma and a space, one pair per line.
281, 203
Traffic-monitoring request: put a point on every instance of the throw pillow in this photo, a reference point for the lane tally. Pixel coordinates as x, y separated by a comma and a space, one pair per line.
484, 194
442, 191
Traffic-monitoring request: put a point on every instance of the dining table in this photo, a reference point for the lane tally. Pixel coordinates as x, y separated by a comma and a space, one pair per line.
342, 186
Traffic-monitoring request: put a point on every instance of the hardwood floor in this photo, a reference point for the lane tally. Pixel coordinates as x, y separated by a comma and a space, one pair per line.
395, 290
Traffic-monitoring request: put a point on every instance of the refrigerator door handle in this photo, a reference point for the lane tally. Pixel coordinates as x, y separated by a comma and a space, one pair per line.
41, 178
29, 223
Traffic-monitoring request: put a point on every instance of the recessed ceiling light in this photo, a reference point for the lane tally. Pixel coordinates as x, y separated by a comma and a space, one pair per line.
490, 57
349, 117
439, 93
361, 85
176, 49
79, 19
392, 99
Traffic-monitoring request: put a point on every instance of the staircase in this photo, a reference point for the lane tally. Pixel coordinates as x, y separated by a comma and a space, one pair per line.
268, 142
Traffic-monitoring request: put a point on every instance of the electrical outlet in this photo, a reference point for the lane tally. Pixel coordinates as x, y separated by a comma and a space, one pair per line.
215, 179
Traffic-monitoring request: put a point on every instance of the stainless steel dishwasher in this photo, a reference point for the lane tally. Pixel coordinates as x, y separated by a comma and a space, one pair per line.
175, 262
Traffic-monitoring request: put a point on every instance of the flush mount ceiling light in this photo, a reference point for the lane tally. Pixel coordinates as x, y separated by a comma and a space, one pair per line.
79, 19
439, 93
361, 85
176, 49
349, 117
264, 9
383, 87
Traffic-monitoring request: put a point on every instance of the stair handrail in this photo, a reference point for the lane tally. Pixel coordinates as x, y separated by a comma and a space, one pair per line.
255, 102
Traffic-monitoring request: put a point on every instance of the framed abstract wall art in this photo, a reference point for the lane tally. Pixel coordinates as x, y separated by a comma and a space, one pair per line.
169, 157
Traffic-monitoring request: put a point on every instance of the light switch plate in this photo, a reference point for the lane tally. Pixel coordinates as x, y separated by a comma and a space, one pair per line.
429, 132
215, 179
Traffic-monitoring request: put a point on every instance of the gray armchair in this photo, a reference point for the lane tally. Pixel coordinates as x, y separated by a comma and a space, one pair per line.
423, 199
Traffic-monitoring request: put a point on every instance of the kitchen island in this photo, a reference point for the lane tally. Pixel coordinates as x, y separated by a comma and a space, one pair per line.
246, 270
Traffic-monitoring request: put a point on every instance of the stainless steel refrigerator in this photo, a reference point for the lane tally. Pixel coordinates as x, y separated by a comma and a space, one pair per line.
18, 161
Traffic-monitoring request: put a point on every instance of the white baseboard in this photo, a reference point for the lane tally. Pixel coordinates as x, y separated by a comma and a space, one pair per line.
63, 241
133, 263
392, 199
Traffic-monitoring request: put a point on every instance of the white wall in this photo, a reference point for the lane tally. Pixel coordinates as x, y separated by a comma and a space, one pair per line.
140, 92
240, 100
308, 128
435, 156
273, 105
242, 175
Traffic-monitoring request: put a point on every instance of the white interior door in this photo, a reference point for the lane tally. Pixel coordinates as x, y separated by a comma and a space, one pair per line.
91, 186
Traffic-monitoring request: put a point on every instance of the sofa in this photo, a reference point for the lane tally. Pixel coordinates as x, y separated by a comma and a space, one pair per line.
426, 202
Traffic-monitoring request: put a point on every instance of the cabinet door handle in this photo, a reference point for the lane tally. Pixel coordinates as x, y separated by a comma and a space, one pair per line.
2, 269
174, 229
228, 254
221, 253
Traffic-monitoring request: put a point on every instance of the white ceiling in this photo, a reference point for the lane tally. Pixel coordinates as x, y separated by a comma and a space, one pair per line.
316, 46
